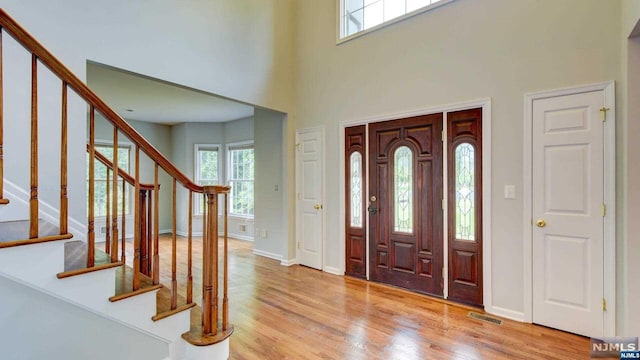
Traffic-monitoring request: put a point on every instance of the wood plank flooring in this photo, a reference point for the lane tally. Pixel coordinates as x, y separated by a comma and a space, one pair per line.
299, 313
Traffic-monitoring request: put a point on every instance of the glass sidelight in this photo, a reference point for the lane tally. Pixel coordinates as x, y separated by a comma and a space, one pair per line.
403, 190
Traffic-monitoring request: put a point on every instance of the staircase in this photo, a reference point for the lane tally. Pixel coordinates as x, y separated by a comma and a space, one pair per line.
37, 249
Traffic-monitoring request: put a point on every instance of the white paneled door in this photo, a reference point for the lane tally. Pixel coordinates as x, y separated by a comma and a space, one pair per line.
309, 198
567, 209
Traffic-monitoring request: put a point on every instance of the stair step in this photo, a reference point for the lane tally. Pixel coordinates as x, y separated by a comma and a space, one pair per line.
161, 314
8, 244
81, 271
195, 336
75, 256
124, 284
15, 230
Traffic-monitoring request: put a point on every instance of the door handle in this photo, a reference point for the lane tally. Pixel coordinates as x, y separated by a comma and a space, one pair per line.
317, 206
372, 210
541, 223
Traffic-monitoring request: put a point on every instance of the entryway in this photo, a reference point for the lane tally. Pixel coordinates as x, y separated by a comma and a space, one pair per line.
422, 189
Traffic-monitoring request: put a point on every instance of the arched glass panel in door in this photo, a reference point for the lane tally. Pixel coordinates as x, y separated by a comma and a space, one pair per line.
403, 190
465, 192
355, 164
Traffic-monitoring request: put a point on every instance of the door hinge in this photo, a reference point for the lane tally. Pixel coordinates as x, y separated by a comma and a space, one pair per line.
299, 197
442, 135
604, 210
603, 113
298, 145
442, 204
443, 273
604, 304
298, 245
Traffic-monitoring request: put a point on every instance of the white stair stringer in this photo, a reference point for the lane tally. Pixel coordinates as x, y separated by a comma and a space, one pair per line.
38, 264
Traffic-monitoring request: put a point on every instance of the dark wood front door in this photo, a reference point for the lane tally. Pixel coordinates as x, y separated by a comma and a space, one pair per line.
405, 203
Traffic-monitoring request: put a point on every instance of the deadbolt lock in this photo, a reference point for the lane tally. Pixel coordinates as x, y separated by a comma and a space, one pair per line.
373, 198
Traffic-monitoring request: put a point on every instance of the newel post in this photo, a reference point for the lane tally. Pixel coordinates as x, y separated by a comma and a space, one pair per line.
210, 265
210, 313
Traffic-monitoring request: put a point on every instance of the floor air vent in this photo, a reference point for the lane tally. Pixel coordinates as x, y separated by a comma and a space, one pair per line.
489, 319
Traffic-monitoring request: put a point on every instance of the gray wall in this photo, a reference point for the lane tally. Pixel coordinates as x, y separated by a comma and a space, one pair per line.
184, 138
177, 143
270, 228
629, 165
160, 136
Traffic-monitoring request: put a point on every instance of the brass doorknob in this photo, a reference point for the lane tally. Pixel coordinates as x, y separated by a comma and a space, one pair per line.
541, 223
317, 206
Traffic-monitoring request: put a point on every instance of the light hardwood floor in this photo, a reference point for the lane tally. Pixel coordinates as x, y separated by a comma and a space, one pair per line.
299, 313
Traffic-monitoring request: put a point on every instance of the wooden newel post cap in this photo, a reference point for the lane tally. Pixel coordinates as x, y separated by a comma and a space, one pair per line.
216, 189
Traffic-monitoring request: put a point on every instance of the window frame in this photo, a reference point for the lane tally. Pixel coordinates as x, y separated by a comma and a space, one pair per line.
109, 144
240, 145
340, 31
196, 171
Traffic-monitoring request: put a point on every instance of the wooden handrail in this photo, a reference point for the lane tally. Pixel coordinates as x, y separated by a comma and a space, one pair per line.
46, 58
121, 173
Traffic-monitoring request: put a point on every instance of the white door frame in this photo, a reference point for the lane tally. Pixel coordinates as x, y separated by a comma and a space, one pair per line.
485, 104
298, 164
609, 198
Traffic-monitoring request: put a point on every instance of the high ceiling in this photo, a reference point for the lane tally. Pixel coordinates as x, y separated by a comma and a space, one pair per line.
140, 98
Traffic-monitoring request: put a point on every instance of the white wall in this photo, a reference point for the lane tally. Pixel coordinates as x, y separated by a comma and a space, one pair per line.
32, 330
239, 49
629, 162
271, 235
463, 51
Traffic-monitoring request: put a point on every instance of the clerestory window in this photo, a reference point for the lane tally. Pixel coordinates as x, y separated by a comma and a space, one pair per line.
360, 16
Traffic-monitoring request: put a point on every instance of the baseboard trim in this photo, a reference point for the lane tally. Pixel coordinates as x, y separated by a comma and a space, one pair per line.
332, 270
240, 237
199, 233
505, 313
267, 254
289, 262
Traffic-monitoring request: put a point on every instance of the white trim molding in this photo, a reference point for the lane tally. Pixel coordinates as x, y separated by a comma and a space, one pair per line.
485, 104
289, 262
333, 270
267, 254
609, 174
506, 313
